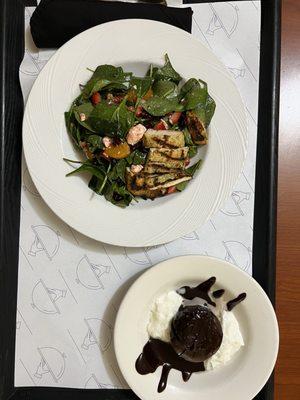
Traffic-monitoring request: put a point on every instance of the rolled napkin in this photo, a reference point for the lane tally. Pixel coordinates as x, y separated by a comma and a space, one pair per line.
54, 22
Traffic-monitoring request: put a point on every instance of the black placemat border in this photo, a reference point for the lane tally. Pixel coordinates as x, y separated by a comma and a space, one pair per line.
264, 239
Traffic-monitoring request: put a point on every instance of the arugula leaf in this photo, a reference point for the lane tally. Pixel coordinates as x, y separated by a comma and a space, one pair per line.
190, 171
159, 106
141, 85
118, 195
166, 89
167, 72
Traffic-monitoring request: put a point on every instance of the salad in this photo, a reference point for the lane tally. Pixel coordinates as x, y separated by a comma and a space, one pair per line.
139, 134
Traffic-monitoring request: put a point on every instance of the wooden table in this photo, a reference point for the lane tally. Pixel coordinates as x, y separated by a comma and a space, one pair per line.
287, 377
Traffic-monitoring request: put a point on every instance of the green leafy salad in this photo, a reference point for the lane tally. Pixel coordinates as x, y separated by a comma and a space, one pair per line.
139, 134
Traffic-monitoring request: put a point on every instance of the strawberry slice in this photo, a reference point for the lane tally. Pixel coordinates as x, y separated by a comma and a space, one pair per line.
174, 117
161, 125
171, 189
96, 98
139, 111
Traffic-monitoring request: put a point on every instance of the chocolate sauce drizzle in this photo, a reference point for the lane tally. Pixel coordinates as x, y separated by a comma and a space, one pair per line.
232, 303
200, 291
158, 353
218, 293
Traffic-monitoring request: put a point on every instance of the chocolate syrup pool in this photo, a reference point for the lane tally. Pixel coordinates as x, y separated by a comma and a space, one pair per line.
196, 335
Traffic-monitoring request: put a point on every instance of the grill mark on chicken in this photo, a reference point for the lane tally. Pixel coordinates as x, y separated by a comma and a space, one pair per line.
164, 142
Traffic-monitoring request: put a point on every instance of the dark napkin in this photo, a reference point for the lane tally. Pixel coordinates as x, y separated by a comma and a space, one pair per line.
54, 22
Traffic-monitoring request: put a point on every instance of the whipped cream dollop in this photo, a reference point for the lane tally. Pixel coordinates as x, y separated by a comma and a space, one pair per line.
162, 312
231, 343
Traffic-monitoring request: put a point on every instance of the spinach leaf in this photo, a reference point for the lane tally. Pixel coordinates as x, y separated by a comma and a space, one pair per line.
190, 171
136, 158
166, 89
189, 142
111, 120
71, 123
118, 171
200, 113
98, 184
193, 94
123, 118
109, 77
99, 174
141, 85
93, 169
193, 151
159, 106
118, 195
187, 87
209, 110
205, 113
95, 142
187, 138
181, 186
95, 184
72, 127
101, 120
167, 72
85, 109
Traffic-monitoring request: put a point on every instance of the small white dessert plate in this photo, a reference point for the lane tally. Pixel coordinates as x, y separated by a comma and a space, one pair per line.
244, 376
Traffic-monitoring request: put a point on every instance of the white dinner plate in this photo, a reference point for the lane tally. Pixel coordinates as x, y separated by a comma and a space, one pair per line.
133, 44
244, 376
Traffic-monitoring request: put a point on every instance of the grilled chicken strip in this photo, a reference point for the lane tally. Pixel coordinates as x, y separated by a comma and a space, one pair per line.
164, 138
156, 168
151, 181
142, 191
196, 128
168, 158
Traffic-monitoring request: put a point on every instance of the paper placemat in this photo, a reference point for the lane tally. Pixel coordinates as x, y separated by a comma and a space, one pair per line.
69, 286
